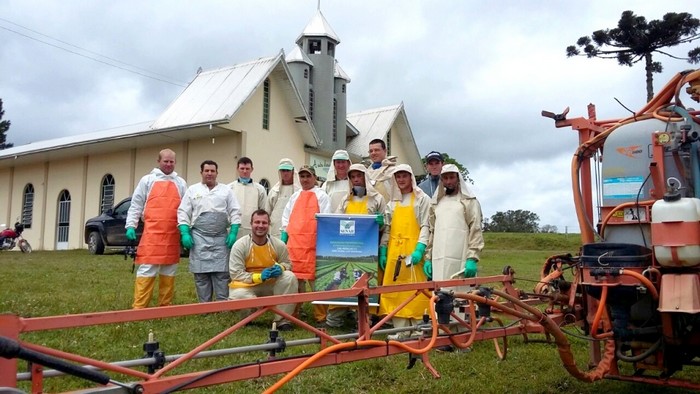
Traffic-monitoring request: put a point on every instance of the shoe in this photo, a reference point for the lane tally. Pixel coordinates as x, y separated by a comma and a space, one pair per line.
446, 348
285, 327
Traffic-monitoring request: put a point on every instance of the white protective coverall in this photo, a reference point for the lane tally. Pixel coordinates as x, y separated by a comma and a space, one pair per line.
251, 197
278, 197
336, 188
455, 230
209, 213
159, 248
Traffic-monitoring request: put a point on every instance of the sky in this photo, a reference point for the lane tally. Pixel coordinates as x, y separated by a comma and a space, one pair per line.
474, 76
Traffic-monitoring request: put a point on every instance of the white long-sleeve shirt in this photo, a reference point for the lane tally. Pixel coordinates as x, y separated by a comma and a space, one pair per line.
199, 199
324, 204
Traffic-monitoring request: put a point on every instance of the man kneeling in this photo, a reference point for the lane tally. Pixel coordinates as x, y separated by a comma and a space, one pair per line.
260, 266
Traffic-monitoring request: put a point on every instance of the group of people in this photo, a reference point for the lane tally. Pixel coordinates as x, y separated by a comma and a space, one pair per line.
246, 243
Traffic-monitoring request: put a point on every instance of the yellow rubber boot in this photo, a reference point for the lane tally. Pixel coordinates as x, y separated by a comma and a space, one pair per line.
166, 290
143, 290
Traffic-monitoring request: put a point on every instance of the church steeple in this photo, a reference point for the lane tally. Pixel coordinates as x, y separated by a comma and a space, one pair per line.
320, 81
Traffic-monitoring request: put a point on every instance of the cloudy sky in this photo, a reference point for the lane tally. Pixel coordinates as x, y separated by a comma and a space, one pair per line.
473, 75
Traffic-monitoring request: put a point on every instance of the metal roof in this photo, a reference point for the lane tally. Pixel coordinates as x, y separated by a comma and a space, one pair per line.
318, 26
338, 72
376, 123
298, 55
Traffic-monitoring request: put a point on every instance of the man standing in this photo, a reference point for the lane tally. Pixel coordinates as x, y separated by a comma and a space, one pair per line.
155, 201
406, 238
280, 194
259, 266
299, 230
381, 170
433, 163
456, 237
250, 195
207, 210
336, 186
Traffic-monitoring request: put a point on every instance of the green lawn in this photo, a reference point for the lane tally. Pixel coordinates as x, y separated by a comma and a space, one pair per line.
54, 283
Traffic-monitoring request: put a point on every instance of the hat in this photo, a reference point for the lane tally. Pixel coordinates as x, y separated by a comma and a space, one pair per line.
286, 164
307, 168
341, 155
434, 155
449, 168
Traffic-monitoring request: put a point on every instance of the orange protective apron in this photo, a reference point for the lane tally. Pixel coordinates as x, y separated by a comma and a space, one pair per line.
402, 241
160, 242
302, 230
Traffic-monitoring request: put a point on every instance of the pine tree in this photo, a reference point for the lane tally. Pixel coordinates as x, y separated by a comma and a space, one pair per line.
4, 126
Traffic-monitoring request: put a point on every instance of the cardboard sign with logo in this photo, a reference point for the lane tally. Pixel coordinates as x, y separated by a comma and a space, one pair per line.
346, 248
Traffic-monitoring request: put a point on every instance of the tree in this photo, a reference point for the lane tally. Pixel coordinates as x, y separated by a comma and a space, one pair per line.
513, 222
4, 126
448, 160
634, 39
548, 228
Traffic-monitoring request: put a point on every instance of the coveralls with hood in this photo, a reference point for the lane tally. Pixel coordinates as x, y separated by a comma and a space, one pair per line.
382, 177
251, 196
155, 200
360, 201
299, 228
407, 226
336, 188
455, 230
209, 213
279, 195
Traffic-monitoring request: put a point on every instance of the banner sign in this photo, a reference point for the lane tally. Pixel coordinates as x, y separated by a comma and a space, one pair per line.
346, 248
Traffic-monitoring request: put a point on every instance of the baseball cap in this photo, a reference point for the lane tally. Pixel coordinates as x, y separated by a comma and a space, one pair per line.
434, 155
307, 168
341, 155
286, 164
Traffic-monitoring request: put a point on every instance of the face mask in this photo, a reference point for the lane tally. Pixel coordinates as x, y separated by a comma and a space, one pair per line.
376, 165
359, 191
245, 181
450, 190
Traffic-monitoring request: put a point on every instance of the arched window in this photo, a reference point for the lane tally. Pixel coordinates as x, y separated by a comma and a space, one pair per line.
266, 184
27, 205
63, 220
107, 193
335, 120
311, 104
266, 104
388, 142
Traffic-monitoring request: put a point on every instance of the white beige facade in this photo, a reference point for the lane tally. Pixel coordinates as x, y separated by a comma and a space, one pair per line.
251, 109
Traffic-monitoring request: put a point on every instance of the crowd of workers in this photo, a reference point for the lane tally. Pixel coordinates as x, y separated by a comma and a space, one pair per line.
245, 242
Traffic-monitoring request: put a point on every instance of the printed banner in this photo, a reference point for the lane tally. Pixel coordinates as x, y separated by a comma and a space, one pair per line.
346, 248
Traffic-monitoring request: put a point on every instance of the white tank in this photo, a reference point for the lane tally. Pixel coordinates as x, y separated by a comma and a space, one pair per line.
675, 231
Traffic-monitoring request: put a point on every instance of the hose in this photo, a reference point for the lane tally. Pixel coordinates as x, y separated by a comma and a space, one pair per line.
351, 345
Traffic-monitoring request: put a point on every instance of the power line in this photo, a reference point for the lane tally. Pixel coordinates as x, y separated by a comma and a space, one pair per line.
90, 57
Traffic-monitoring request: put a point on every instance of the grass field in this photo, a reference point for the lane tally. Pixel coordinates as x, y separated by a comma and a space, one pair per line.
55, 283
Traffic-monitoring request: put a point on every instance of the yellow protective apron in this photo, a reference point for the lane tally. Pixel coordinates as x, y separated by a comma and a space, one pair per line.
402, 241
357, 207
160, 242
259, 258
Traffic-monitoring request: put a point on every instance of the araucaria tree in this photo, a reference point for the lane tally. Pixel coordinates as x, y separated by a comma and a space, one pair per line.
634, 39
4, 126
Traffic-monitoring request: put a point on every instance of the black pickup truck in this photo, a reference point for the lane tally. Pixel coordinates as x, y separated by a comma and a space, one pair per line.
107, 230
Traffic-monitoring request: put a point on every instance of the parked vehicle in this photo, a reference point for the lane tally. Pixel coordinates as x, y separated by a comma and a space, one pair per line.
107, 230
10, 237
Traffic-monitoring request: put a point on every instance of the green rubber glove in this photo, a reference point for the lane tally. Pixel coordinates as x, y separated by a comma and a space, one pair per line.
185, 236
284, 237
131, 234
470, 268
428, 269
417, 254
382, 257
379, 219
232, 234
